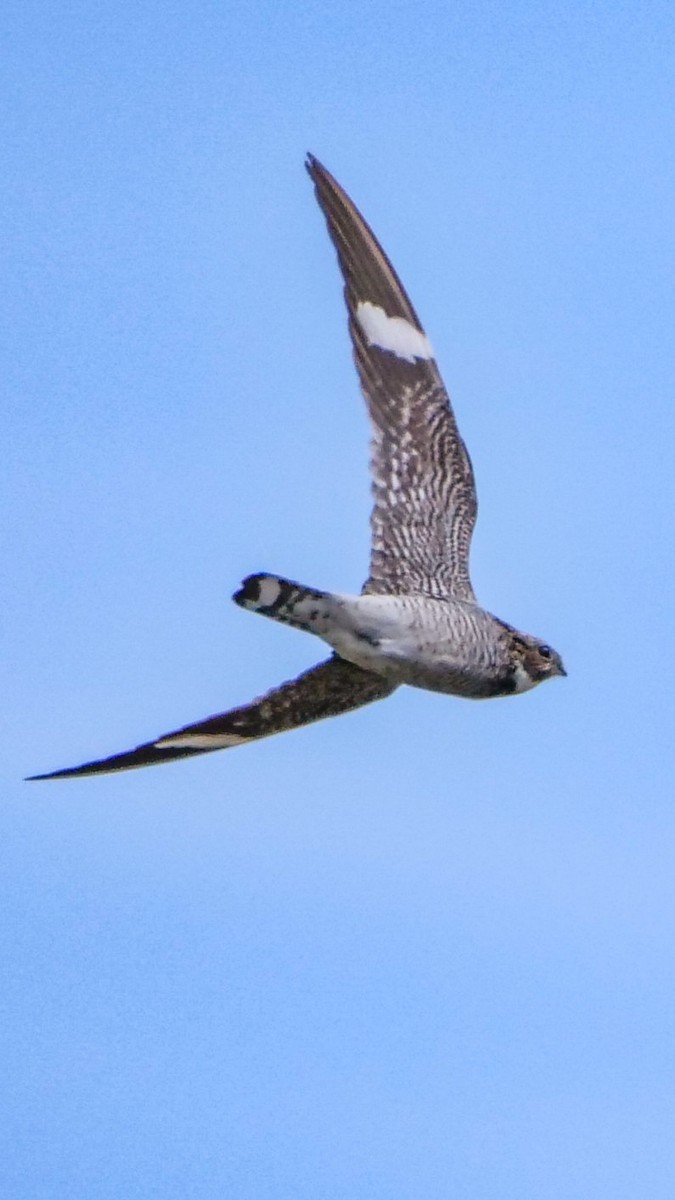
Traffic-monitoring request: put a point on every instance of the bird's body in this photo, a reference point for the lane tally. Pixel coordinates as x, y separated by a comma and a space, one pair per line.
417, 621
441, 645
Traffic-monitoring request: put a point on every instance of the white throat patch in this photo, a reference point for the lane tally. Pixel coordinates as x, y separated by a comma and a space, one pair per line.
523, 680
392, 333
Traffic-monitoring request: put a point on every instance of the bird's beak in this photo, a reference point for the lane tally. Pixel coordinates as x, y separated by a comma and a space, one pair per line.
561, 670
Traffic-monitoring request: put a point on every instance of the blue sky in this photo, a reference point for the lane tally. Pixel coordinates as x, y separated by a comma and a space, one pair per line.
427, 949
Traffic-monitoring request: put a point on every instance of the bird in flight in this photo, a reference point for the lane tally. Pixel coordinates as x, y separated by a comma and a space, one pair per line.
417, 620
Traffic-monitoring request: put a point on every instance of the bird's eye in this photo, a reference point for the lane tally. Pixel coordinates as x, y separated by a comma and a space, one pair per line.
545, 651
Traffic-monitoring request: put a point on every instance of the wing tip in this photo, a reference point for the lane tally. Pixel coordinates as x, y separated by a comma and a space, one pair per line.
52, 775
65, 772
320, 175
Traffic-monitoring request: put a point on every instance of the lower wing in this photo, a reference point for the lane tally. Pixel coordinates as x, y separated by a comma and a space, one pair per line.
331, 688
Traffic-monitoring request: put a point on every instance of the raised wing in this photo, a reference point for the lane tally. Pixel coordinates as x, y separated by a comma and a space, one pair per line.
423, 484
331, 688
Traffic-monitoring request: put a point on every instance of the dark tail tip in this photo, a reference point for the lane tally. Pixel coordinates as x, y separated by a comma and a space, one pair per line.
249, 592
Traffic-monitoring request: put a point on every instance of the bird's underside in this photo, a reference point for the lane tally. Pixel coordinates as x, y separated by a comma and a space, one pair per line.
423, 513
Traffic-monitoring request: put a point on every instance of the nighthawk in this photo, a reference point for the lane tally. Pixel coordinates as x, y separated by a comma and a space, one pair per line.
417, 620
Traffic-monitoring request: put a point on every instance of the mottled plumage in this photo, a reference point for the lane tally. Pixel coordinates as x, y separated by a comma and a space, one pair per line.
331, 688
417, 621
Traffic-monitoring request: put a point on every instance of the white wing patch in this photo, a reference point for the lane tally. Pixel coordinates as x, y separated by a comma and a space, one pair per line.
392, 333
200, 741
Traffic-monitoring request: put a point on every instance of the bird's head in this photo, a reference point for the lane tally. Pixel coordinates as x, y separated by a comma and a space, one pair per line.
533, 661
